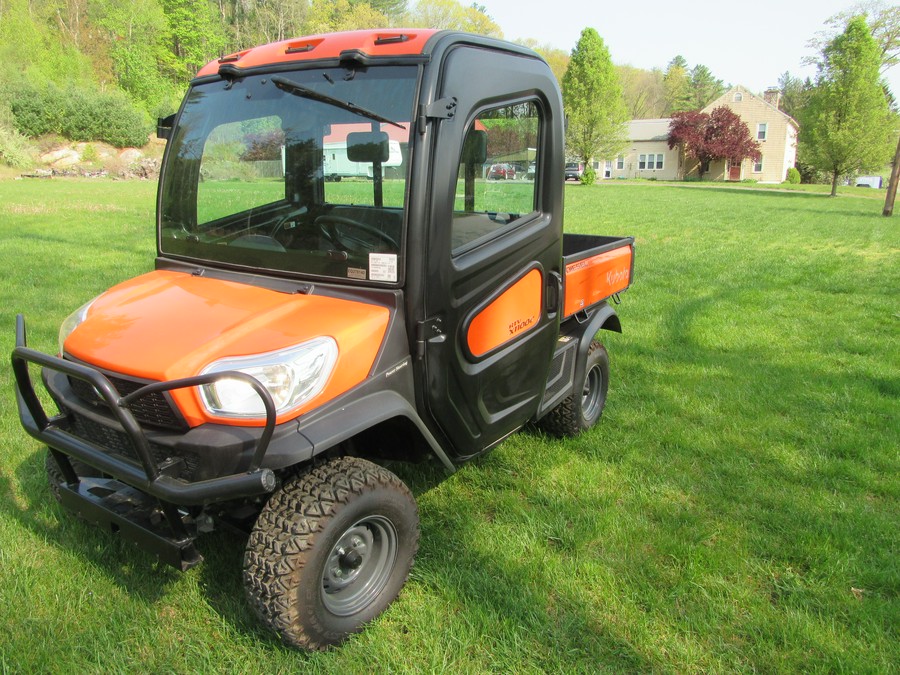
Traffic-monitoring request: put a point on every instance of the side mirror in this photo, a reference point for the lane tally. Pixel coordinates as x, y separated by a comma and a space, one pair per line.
164, 127
474, 149
368, 146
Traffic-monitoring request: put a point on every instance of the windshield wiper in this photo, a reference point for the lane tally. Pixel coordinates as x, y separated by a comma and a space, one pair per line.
299, 90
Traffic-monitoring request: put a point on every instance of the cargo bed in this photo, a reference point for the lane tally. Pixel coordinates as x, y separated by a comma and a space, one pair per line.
594, 268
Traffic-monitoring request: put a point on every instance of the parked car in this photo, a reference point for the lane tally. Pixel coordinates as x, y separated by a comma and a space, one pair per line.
502, 172
869, 181
573, 171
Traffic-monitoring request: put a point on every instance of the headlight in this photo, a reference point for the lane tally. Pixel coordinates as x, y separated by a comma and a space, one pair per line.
72, 322
292, 376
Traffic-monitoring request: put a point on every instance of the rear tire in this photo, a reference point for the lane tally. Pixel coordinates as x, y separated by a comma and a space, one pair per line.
582, 410
330, 551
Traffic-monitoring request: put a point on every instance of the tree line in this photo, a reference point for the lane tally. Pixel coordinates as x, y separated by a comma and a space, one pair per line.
103, 69
847, 116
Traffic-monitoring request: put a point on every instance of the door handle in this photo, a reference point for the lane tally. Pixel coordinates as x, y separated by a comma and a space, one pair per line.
553, 290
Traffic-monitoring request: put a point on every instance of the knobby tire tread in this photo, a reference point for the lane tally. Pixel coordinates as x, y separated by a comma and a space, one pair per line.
285, 533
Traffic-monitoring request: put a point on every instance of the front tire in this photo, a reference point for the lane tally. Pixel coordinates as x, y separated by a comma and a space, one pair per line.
330, 551
582, 410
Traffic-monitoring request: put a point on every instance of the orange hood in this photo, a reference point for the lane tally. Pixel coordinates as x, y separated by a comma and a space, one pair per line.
166, 325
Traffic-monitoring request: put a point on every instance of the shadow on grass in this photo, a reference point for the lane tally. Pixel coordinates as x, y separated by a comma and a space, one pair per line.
142, 575
752, 191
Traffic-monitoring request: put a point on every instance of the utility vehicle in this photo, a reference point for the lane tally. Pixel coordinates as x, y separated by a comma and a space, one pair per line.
298, 333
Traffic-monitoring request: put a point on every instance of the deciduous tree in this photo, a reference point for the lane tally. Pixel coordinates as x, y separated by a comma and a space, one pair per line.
557, 59
592, 97
644, 92
452, 15
846, 126
335, 15
706, 137
884, 24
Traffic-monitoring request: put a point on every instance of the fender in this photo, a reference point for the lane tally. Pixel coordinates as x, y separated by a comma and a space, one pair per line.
603, 317
363, 413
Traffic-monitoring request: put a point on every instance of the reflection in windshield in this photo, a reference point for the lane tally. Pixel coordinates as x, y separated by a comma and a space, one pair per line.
261, 177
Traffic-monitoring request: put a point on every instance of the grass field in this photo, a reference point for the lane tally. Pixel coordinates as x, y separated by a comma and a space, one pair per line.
737, 509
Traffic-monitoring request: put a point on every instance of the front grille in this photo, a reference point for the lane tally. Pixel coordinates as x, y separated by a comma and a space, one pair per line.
117, 442
156, 410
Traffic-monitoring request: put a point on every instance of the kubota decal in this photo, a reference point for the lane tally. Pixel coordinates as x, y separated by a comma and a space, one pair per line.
596, 278
514, 312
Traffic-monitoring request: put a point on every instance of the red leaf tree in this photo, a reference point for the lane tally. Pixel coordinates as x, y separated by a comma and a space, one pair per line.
706, 137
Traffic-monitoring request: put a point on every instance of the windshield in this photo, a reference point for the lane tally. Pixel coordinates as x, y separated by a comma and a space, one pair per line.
301, 172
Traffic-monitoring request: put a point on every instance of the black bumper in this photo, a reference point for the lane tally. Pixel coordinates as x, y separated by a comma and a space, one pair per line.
142, 474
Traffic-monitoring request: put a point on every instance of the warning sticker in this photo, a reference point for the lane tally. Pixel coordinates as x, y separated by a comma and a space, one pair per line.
383, 266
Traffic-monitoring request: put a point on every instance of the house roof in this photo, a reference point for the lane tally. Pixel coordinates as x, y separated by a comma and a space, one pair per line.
649, 130
728, 96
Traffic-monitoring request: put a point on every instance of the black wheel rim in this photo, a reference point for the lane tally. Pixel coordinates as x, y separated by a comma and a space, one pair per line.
359, 565
592, 395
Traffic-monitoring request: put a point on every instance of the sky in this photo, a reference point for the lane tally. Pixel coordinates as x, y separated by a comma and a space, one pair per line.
747, 43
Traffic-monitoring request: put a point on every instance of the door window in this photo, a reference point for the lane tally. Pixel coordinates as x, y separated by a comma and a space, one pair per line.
498, 171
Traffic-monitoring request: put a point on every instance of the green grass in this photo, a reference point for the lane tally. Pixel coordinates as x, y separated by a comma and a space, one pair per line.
737, 509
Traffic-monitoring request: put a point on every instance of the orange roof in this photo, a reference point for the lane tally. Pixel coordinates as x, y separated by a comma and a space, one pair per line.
388, 42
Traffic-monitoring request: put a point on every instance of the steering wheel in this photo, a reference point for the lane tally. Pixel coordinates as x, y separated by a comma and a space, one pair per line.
331, 228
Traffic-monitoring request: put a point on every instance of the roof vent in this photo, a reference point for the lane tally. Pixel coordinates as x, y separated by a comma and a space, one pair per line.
302, 46
231, 58
391, 39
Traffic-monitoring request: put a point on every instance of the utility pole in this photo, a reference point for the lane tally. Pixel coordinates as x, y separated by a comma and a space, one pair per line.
892, 186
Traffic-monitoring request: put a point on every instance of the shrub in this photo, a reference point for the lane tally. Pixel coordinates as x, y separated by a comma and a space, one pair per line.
588, 176
89, 154
14, 148
79, 115
793, 176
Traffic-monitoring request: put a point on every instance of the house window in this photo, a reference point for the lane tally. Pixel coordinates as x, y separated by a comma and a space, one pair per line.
738, 97
620, 162
650, 162
761, 129
757, 166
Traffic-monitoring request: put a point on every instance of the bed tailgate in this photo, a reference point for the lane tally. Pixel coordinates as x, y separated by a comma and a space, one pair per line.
594, 268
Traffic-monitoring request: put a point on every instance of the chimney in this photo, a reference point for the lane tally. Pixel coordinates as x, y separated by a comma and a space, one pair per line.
772, 95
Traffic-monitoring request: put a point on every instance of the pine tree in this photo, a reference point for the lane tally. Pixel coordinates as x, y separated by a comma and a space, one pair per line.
846, 124
705, 87
592, 97
677, 84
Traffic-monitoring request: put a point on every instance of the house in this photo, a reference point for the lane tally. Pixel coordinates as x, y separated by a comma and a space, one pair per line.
647, 154
775, 131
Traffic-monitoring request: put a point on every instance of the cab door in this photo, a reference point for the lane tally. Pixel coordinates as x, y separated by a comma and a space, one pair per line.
493, 247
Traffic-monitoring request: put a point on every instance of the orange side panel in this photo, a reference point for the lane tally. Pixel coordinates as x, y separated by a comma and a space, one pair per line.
596, 278
515, 312
389, 42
